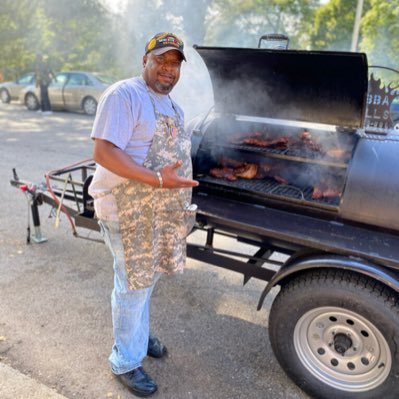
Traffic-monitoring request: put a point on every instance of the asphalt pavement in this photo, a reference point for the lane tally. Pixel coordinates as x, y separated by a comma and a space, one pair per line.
55, 317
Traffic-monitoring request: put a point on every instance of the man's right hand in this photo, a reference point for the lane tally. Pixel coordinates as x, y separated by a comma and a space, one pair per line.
172, 180
117, 161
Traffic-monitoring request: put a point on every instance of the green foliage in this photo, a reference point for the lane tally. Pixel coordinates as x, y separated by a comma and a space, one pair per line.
379, 29
73, 34
15, 17
241, 23
84, 34
380, 33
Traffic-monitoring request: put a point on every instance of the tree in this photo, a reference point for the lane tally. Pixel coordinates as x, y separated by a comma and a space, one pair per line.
144, 18
379, 29
241, 23
73, 33
16, 18
380, 33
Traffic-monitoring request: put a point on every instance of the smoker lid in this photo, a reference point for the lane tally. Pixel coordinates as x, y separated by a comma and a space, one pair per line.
321, 87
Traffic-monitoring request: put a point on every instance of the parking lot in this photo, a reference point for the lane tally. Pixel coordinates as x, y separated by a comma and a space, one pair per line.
55, 319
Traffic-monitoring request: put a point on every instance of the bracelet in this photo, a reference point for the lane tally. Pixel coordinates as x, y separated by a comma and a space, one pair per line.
160, 179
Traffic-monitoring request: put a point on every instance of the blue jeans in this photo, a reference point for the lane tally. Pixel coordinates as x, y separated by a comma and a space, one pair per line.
130, 309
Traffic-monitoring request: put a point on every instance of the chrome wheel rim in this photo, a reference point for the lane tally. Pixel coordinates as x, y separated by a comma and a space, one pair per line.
342, 349
31, 102
90, 106
4, 96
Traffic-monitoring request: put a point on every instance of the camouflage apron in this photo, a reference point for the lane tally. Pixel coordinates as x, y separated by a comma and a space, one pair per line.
154, 223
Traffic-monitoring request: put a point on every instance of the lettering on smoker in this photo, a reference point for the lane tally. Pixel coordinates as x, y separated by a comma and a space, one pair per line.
379, 100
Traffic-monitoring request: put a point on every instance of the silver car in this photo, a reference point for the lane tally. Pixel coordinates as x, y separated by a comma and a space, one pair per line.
70, 91
11, 90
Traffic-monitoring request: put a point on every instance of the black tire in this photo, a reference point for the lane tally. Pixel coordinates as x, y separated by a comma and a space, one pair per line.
322, 313
89, 106
32, 102
5, 96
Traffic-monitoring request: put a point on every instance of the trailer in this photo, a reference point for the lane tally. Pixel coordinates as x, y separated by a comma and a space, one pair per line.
334, 324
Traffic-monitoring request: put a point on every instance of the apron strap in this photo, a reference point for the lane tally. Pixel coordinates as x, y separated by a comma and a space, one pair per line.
177, 117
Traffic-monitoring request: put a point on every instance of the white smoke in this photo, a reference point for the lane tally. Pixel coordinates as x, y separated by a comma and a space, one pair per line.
194, 90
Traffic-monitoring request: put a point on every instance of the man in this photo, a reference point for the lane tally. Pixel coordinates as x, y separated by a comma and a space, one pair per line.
142, 197
43, 77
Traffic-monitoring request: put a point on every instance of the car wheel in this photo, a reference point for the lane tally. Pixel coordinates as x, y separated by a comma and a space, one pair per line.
336, 334
5, 96
31, 102
89, 106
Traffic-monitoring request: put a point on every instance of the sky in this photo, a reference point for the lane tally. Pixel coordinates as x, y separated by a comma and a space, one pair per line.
115, 5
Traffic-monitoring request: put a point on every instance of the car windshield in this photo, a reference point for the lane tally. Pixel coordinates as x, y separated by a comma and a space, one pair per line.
104, 79
26, 79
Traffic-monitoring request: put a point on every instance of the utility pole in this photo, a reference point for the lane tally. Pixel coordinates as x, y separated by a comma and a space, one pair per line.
356, 27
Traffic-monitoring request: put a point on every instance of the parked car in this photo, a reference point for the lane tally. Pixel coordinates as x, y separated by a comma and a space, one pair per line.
10, 91
70, 91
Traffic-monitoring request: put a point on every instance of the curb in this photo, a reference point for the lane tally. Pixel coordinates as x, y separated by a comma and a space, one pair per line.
15, 385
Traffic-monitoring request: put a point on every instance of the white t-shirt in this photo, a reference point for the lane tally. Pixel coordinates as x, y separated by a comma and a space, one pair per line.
125, 117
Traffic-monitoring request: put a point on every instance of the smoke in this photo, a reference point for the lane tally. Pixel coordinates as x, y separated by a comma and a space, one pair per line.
194, 91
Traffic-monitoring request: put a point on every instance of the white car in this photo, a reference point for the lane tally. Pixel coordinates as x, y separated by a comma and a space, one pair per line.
11, 91
70, 91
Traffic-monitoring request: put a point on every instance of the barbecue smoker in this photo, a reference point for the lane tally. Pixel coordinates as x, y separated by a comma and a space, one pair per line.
286, 166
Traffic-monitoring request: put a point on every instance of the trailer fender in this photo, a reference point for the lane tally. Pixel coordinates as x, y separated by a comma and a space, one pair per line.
294, 266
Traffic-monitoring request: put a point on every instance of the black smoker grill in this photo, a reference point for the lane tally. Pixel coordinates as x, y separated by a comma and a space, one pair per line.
285, 165
300, 114
296, 117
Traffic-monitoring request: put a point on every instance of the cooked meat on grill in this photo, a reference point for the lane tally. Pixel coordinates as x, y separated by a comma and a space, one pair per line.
317, 193
238, 138
223, 173
247, 171
308, 141
260, 139
331, 193
280, 142
326, 189
280, 179
305, 135
263, 170
338, 153
305, 142
231, 163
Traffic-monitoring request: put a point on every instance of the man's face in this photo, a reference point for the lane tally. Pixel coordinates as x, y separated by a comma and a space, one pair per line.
162, 72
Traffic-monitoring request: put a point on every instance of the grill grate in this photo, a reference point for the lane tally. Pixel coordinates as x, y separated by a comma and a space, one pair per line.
270, 188
293, 154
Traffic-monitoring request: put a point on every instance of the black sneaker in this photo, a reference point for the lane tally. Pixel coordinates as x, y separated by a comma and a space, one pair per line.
156, 348
139, 382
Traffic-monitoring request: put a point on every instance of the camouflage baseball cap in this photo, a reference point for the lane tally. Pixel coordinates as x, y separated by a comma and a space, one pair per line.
163, 42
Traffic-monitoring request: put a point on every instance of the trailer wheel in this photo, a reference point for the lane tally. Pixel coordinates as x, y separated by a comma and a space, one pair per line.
336, 334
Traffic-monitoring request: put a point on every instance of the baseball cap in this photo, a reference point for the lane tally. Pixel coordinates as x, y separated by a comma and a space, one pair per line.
163, 42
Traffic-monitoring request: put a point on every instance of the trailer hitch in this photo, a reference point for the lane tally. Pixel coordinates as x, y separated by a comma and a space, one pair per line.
33, 194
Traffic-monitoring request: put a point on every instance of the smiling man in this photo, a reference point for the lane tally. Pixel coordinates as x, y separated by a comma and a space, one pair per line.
142, 198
